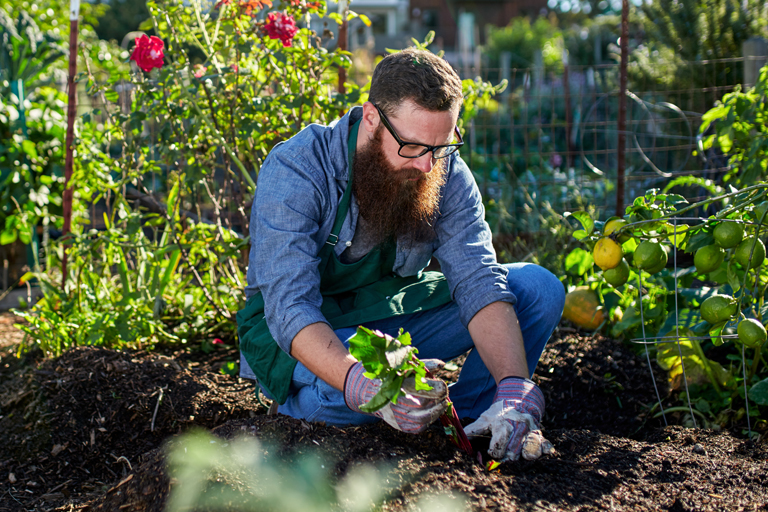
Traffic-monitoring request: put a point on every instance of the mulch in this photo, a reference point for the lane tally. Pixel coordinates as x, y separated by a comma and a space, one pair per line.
91, 430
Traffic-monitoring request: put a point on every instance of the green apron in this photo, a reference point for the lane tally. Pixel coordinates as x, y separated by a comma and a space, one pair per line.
353, 294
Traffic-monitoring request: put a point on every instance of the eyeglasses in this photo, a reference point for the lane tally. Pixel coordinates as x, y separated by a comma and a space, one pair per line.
415, 150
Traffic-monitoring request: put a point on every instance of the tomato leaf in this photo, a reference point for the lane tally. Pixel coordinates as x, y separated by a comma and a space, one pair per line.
584, 219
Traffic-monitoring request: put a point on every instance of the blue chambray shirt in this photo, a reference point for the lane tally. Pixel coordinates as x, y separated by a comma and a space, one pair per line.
299, 189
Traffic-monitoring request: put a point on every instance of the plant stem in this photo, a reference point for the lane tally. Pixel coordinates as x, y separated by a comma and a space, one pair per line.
222, 140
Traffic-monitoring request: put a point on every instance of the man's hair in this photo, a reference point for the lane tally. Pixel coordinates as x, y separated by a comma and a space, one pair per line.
417, 75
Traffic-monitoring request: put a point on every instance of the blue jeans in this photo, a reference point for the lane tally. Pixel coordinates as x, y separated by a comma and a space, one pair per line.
438, 333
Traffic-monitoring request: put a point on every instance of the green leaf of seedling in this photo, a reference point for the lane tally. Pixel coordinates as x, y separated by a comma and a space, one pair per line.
420, 381
404, 337
391, 360
702, 405
399, 356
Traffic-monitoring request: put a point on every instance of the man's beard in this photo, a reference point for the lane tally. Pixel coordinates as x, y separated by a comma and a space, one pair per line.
393, 206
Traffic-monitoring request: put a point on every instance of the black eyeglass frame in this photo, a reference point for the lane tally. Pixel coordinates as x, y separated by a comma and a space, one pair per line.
427, 147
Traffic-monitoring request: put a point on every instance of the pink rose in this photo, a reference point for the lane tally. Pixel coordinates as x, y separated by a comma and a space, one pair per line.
148, 52
281, 26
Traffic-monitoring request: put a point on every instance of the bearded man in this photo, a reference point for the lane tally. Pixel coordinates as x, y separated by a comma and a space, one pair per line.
345, 219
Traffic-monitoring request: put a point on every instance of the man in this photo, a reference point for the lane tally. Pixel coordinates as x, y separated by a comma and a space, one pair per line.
344, 221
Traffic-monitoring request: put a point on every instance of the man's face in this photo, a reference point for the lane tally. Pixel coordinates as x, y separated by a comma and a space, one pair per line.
400, 196
412, 123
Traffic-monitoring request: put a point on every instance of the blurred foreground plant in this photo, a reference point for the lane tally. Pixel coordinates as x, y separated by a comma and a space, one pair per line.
211, 473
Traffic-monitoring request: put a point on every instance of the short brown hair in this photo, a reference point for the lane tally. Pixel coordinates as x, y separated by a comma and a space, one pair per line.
417, 75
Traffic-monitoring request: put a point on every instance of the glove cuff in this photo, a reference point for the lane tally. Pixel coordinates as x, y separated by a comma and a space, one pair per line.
524, 395
358, 389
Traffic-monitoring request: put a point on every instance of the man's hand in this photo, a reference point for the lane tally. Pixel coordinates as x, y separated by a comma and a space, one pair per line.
413, 412
514, 421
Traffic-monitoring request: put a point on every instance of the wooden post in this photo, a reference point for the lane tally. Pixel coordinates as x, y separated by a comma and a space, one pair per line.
622, 122
74, 14
569, 150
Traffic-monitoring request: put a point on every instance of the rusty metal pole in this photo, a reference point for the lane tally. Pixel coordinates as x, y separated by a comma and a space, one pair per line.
343, 10
569, 152
74, 14
622, 121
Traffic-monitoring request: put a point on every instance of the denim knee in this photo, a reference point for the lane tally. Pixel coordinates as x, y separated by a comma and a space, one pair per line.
536, 287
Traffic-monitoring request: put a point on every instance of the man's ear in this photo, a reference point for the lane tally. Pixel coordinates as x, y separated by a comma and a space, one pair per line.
371, 118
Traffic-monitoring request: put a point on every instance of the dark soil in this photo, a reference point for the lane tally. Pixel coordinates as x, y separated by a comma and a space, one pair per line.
87, 431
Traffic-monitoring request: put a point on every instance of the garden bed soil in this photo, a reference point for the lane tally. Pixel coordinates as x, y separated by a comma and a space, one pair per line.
87, 431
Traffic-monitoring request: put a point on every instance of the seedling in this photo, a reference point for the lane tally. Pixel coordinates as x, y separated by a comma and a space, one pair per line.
392, 360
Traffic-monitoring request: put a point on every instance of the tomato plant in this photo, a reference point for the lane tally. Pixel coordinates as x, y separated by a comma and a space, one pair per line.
687, 310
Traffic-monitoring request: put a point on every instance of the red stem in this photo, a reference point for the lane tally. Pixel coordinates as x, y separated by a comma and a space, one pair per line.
452, 420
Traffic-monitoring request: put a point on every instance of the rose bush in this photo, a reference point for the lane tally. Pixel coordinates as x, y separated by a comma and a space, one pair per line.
166, 169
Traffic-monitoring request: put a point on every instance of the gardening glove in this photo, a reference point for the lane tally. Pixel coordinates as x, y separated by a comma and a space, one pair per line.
514, 421
414, 410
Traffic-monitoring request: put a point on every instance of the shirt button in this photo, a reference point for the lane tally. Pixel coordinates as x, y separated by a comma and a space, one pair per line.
348, 244
388, 297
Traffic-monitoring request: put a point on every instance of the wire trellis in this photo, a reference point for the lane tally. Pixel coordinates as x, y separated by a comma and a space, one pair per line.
646, 340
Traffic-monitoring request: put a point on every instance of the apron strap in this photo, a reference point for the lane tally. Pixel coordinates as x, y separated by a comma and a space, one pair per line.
346, 198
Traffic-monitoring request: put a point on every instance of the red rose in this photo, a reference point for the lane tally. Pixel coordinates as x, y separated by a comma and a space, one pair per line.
281, 26
148, 52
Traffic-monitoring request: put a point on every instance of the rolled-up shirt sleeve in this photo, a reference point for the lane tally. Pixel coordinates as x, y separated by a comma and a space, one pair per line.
465, 246
291, 201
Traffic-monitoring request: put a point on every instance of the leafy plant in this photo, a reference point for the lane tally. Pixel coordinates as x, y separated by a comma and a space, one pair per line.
211, 473
391, 360
741, 133
678, 32
524, 40
165, 171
